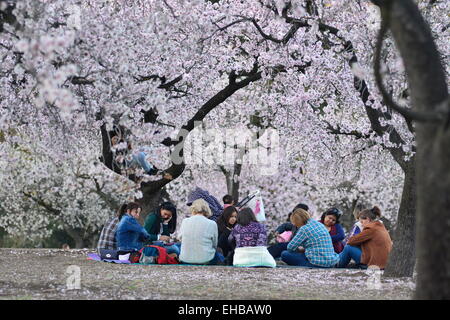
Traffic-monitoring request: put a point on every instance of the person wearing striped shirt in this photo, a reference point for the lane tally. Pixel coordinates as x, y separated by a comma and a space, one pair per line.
311, 245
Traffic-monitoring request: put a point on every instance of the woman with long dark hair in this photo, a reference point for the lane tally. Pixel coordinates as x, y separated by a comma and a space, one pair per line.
250, 240
161, 223
225, 223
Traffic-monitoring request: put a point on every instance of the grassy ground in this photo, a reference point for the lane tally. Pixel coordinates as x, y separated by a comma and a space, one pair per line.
42, 274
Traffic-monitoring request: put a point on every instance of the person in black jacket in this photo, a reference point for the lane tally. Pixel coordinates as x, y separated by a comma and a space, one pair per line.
225, 223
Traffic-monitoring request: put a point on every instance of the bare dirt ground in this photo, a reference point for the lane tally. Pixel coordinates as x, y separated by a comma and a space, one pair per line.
32, 274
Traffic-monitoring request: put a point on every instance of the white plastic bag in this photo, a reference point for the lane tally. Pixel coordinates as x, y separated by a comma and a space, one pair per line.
254, 201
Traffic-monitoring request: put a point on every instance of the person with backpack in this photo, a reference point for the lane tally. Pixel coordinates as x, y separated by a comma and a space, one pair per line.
130, 235
249, 237
285, 229
199, 236
160, 224
107, 239
372, 246
330, 219
311, 245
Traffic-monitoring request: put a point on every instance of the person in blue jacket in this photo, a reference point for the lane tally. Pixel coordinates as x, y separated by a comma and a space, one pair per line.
130, 235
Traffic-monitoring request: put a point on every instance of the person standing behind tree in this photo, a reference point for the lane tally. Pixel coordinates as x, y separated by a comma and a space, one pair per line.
372, 246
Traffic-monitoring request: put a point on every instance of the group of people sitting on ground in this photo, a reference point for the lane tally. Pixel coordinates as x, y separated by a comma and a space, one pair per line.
235, 237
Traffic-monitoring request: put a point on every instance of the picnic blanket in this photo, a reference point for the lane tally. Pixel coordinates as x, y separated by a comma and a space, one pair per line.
96, 257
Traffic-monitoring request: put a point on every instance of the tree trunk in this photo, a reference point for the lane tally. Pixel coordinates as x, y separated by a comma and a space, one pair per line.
429, 97
402, 259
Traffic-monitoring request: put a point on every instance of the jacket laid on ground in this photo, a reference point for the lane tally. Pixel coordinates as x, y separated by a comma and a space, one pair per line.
130, 234
375, 242
316, 240
198, 239
154, 226
214, 204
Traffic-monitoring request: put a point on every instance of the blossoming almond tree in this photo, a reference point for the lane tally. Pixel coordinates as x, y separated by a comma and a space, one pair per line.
151, 71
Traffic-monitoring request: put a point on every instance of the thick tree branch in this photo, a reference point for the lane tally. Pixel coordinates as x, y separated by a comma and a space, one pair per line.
408, 114
178, 165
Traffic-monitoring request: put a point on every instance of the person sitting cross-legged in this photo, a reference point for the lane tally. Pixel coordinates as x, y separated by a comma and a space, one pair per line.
311, 245
199, 236
330, 220
372, 246
225, 224
161, 224
276, 249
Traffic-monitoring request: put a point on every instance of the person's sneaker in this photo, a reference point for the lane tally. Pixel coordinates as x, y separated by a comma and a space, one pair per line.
153, 171
281, 263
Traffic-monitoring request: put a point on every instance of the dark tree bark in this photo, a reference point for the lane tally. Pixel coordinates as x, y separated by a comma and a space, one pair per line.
431, 110
406, 216
402, 258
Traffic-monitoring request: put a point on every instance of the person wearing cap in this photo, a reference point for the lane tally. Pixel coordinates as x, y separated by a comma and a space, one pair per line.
372, 246
330, 218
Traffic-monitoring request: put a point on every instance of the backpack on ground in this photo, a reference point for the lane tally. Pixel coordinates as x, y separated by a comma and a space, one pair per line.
156, 255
